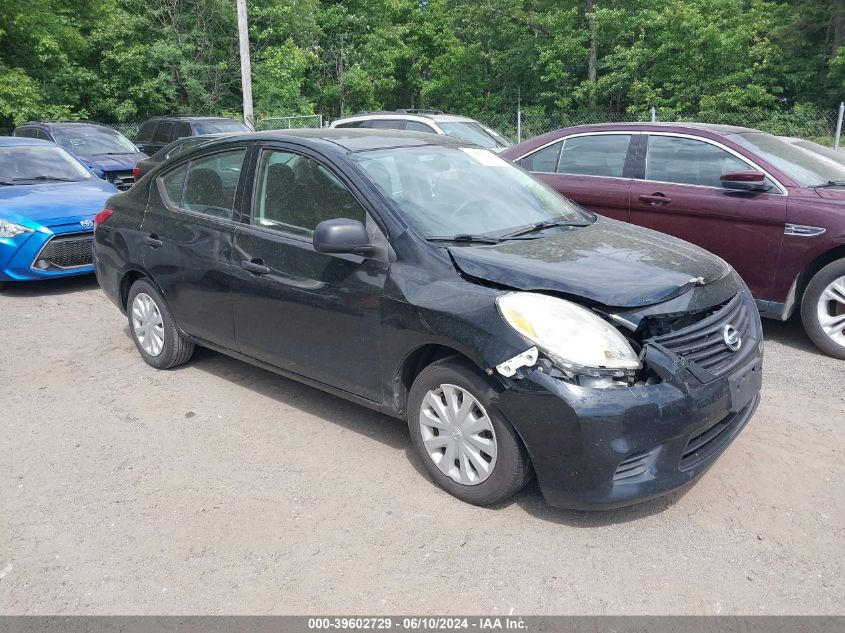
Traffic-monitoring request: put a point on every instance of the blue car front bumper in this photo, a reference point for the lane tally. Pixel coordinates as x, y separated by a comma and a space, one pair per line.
59, 250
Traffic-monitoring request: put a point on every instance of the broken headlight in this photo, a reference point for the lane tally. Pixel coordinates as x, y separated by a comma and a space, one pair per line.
577, 340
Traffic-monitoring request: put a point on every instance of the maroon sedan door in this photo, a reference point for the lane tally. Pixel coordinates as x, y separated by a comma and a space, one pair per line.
680, 194
593, 170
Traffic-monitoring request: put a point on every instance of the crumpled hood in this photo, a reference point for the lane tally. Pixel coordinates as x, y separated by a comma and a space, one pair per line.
113, 162
49, 202
608, 262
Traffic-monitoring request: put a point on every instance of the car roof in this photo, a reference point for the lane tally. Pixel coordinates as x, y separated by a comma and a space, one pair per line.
190, 117
8, 141
714, 128
67, 124
437, 117
350, 139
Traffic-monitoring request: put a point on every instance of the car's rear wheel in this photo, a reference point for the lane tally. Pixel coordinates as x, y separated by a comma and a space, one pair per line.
823, 309
153, 329
467, 446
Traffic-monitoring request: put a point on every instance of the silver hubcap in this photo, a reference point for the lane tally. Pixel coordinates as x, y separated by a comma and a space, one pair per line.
831, 311
458, 434
147, 324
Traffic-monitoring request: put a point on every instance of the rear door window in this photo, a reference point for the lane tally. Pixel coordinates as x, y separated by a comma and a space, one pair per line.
416, 126
386, 124
207, 184
182, 130
164, 132
688, 161
595, 155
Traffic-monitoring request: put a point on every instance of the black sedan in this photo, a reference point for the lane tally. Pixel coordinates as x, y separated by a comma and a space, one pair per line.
436, 282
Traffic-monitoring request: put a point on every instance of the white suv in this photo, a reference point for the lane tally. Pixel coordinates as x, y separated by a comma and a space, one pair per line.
431, 121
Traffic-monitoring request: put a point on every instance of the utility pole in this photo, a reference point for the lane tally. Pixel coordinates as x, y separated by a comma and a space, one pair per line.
246, 68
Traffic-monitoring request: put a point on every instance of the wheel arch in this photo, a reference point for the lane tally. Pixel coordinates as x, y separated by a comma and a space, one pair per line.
803, 279
130, 277
414, 362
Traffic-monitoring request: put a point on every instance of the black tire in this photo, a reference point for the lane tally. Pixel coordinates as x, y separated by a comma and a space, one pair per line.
809, 311
176, 350
512, 468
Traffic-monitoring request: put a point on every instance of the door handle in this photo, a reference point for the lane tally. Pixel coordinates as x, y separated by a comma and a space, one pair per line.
255, 266
656, 200
152, 240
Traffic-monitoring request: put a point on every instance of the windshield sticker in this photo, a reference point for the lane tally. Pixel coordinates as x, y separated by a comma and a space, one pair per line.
488, 159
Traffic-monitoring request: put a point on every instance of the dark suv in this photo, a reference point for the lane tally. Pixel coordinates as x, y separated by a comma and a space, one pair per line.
774, 211
102, 149
431, 280
159, 131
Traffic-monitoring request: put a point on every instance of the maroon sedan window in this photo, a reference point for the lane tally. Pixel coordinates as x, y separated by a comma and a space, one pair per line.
596, 155
544, 160
687, 161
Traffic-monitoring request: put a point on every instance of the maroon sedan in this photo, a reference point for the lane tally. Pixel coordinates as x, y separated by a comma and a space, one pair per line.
775, 212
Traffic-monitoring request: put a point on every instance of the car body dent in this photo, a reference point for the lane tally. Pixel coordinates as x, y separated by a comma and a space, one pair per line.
607, 262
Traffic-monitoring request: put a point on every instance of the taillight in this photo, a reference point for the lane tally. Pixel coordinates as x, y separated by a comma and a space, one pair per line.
136, 173
102, 216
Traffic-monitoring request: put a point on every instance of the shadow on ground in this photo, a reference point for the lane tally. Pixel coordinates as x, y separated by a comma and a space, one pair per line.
49, 287
393, 433
790, 333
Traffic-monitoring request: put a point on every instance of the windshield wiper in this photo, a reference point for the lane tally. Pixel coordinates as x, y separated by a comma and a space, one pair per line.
541, 226
6, 183
44, 178
829, 183
464, 237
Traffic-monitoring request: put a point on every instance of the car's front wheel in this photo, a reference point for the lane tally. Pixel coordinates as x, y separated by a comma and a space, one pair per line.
469, 449
153, 329
823, 309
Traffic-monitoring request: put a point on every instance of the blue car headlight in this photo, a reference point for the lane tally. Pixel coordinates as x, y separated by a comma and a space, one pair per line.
10, 229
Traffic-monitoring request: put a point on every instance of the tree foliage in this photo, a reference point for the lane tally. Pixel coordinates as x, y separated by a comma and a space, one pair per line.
130, 59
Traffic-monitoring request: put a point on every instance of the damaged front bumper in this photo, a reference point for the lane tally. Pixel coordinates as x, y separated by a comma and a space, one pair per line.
603, 448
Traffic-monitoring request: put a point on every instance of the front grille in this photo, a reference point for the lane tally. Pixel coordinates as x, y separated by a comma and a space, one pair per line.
635, 465
66, 251
121, 179
704, 443
703, 343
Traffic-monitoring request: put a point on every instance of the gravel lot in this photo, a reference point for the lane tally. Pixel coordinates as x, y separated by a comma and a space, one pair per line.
222, 488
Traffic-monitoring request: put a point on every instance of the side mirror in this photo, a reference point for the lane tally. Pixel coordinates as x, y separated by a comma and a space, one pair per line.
745, 180
342, 236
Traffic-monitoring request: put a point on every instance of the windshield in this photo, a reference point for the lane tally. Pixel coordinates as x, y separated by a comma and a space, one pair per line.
28, 164
803, 167
821, 150
93, 141
474, 133
213, 127
447, 191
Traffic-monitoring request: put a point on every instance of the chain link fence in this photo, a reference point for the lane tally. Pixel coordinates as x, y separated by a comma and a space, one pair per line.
819, 126
289, 122
816, 125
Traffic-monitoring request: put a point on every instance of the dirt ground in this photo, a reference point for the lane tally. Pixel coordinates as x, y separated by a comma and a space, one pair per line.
222, 488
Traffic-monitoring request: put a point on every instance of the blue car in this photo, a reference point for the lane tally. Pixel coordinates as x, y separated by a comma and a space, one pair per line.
48, 201
104, 150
